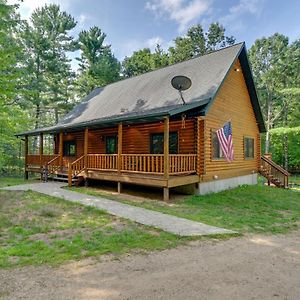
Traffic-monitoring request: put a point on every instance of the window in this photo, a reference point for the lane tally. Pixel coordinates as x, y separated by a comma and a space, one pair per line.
216, 148
69, 148
248, 147
111, 144
157, 143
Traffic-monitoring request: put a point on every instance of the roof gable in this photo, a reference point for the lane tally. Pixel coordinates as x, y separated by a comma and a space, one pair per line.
244, 61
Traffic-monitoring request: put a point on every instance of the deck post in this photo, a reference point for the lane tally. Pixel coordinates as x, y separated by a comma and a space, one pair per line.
69, 175
166, 156
119, 187
166, 194
200, 145
120, 150
85, 151
60, 149
26, 156
41, 150
120, 144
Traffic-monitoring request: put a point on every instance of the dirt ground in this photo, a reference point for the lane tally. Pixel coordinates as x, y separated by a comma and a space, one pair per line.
253, 267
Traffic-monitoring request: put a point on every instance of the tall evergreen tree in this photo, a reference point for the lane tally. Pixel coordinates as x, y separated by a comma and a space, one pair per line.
13, 118
10, 53
98, 66
46, 40
197, 42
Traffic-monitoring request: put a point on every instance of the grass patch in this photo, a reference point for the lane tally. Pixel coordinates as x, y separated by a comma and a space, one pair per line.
294, 179
10, 181
246, 209
37, 229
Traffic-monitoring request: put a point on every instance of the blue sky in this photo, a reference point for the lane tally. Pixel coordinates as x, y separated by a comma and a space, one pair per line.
134, 24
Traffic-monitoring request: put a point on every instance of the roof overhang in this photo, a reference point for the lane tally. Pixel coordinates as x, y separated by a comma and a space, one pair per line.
129, 119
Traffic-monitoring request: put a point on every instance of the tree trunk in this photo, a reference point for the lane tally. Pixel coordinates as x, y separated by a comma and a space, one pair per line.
285, 138
37, 122
56, 115
268, 123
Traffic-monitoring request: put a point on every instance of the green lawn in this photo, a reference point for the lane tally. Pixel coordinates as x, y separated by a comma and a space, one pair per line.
9, 181
37, 229
295, 179
247, 209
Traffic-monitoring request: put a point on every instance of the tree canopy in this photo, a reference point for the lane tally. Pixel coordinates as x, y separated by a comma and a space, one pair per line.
98, 65
196, 42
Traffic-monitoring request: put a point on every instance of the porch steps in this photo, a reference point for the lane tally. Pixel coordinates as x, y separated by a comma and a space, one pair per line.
274, 173
63, 177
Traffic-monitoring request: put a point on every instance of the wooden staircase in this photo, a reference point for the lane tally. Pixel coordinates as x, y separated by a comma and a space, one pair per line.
274, 173
63, 177
60, 173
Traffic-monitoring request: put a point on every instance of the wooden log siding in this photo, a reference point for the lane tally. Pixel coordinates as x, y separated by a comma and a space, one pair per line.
136, 138
232, 102
200, 129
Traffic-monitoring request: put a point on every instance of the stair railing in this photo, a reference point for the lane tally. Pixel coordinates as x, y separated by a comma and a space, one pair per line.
53, 165
274, 173
75, 168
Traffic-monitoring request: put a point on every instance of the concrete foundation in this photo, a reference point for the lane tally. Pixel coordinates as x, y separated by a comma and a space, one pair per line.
224, 184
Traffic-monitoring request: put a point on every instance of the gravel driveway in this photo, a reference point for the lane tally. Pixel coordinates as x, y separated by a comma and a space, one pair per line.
256, 267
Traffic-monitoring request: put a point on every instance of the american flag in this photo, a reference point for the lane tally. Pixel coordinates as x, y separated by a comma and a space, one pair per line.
224, 135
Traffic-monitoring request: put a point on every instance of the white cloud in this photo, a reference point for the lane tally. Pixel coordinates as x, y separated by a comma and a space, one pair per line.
236, 12
246, 6
179, 11
152, 42
82, 20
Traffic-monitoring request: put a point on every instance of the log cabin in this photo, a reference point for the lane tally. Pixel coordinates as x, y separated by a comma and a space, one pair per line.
138, 130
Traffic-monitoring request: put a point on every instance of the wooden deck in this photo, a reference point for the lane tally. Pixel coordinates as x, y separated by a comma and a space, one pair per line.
140, 169
143, 179
164, 170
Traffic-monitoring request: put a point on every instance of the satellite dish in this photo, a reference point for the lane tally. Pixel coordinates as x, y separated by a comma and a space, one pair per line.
181, 83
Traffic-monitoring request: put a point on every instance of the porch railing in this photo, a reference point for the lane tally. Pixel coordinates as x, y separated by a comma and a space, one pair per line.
142, 163
132, 163
182, 163
102, 161
35, 159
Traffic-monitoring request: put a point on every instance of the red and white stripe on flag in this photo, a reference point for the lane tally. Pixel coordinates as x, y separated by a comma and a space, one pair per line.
224, 135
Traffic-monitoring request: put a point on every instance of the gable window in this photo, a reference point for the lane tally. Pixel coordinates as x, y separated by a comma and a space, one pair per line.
69, 148
111, 144
216, 148
157, 143
248, 147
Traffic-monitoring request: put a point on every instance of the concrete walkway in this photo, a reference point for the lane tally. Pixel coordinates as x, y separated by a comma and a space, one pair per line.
172, 224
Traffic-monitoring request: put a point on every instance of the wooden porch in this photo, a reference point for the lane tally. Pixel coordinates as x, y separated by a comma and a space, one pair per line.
161, 170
